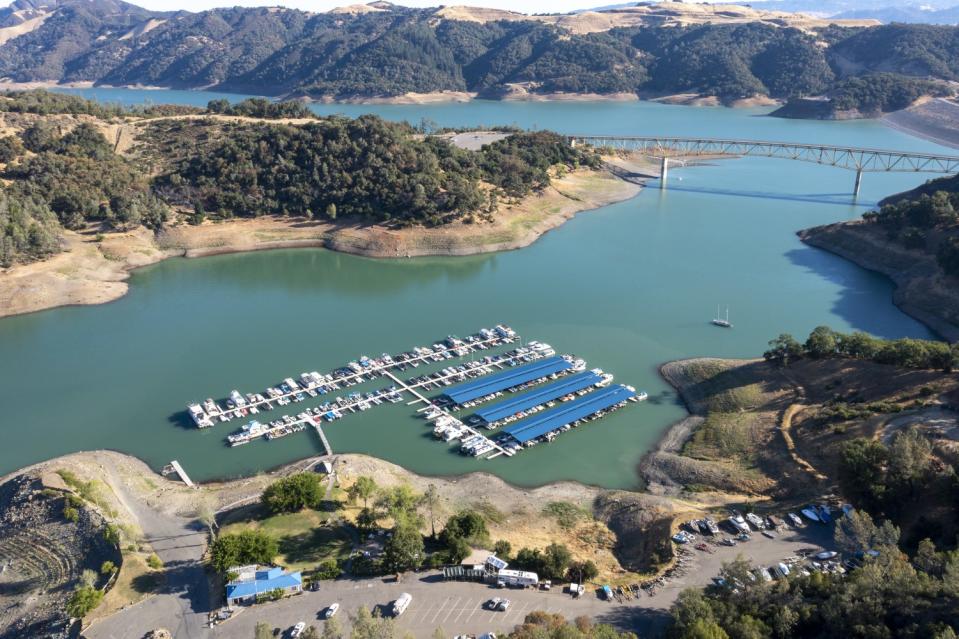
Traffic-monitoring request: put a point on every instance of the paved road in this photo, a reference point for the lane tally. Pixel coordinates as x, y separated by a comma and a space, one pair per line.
457, 608
183, 604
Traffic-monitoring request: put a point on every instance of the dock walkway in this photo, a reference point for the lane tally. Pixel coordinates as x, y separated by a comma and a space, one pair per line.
366, 375
182, 474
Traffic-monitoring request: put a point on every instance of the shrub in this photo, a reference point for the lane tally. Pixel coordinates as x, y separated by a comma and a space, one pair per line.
290, 494
83, 600
154, 561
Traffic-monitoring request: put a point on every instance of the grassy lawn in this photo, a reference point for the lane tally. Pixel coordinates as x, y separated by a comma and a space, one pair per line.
305, 538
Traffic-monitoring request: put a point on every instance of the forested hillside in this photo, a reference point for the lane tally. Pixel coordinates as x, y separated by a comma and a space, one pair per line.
388, 50
60, 171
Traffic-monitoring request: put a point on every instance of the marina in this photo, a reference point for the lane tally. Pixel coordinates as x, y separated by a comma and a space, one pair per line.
584, 395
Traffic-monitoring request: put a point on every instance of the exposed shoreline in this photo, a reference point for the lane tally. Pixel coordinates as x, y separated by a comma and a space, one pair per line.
95, 272
919, 289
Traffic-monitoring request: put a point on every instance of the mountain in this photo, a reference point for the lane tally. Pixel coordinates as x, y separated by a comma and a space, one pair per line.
384, 50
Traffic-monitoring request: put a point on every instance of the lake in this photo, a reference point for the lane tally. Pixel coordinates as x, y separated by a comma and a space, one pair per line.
627, 287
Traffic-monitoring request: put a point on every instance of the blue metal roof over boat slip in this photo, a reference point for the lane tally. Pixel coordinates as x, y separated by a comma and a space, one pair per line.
550, 420
507, 379
557, 389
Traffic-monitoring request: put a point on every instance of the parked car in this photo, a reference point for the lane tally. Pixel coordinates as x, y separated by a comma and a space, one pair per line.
546, 585
493, 603
298, 629
504, 605
329, 612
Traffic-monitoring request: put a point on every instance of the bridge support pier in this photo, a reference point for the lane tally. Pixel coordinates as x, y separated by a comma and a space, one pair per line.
663, 172
855, 191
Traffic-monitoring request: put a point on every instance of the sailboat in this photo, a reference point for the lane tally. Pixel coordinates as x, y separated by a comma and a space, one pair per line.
719, 321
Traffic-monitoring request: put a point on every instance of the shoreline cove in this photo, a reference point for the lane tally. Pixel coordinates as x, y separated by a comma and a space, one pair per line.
92, 272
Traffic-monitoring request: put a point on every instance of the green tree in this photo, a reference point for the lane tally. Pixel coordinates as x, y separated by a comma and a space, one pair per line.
328, 569
367, 626
704, 629
856, 532
363, 488
366, 519
107, 568
331, 629
294, 493
88, 577
784, 349
556, 560
431, 498
503, 548
83, 600
822, 342
404, 550
247, 547
582, 571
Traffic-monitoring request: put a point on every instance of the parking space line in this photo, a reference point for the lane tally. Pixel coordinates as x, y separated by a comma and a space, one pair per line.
439, 609
471, 614
462, 610
452, 610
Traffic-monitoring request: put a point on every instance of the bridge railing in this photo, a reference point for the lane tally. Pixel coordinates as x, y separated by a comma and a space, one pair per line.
852, 158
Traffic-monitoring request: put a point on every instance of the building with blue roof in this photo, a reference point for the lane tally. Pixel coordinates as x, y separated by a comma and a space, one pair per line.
542, 395
252, 582
508, 378
555, 418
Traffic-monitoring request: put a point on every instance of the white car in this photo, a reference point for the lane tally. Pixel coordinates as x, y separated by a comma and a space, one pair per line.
331, 610
826, 554
298, 629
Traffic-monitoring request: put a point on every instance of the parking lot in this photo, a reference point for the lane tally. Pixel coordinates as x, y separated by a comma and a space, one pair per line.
457, 607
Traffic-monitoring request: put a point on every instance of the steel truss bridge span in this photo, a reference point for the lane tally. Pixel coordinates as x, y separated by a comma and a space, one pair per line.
855, 159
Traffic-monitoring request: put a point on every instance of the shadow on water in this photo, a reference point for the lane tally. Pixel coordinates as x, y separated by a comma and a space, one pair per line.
812, 198
853, 303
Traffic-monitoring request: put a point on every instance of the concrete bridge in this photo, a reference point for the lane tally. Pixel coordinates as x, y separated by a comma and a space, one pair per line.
855, 159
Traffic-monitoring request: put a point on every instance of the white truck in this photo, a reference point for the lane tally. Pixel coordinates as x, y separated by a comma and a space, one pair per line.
401, 604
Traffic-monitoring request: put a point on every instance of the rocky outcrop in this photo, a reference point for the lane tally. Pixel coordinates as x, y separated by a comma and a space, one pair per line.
922, 290
42, 556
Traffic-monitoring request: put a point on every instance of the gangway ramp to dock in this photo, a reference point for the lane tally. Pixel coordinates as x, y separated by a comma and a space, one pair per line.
554, 418
548, 393
178, 469
497, 382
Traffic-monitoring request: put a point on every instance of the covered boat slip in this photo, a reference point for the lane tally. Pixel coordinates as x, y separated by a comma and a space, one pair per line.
548, 393
555, 418
507, 379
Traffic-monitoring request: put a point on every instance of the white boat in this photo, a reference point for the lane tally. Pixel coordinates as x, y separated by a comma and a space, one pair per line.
739, 524
794, 519
199, 416
719, 321
810, 514
237, 398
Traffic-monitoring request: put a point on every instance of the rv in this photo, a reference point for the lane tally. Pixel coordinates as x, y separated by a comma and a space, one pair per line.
518, 578
401, 604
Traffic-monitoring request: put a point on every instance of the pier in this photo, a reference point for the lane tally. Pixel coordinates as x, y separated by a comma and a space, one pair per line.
369, 369
583, 394
178, 469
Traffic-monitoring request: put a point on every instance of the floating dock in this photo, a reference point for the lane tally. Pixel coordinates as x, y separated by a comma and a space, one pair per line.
528, 401
535, 376
555, 418
478, 389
